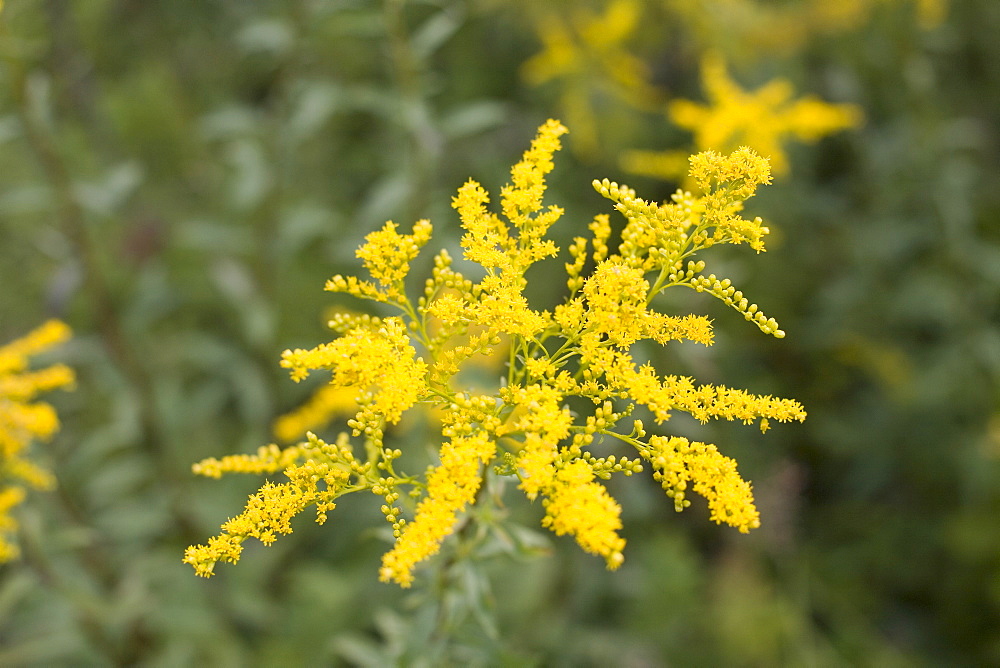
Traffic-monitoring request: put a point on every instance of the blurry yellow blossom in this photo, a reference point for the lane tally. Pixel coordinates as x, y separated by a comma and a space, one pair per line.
522, 427
763, 120
584, 54
931, 13
24, 420
825, 16
748, 29
326, 403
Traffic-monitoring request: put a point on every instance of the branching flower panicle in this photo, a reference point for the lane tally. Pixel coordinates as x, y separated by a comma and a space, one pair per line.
523, 428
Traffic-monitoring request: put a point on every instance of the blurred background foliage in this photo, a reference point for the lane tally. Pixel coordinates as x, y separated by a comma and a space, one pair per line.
181, 178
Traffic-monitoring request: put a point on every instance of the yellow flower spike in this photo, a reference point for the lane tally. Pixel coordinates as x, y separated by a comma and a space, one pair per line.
662, 235
578, 251
523, 196
737, 174
616, 295
269, 459
601, 229
450, 487
666, 328
523, 427
577, 505
318, 473
538, 410
487, 241
703, 402
387, 256
536, 463
677, 462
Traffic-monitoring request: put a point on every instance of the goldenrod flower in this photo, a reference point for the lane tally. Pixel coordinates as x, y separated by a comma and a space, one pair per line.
326, 403
579, 506
318, 473
763, 120
677, 462
450, 487
379, 362
523, 427
24, 420
387, 255
585, 54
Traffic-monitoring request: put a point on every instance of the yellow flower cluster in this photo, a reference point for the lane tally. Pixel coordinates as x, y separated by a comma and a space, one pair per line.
379, 362
24, 420
579, 506
451, 486
762, 119
579, 351
318, 473
677, 462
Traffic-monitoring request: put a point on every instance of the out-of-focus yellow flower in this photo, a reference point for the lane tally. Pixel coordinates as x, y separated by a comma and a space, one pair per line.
931, 13
328, 402
584, 53
824, 16
764, 120
24, 420
747, 29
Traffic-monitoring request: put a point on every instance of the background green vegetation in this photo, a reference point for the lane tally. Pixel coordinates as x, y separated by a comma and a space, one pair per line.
180, 178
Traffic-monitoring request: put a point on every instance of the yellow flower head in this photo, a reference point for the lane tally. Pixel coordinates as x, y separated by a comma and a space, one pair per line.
616, 294
317, 474
387, 254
